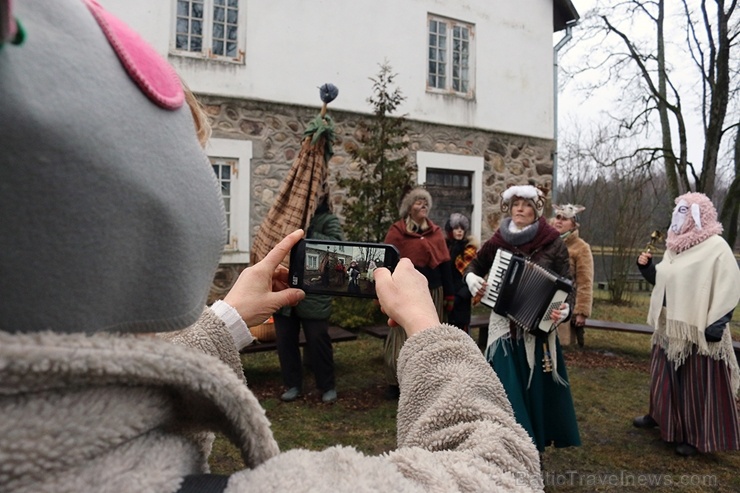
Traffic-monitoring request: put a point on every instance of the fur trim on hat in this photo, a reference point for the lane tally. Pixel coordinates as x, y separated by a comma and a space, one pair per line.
700, 222
533, 195
457, 220
569, 211
411, 197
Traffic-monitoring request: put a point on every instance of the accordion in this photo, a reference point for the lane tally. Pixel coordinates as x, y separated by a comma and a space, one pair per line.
524, 292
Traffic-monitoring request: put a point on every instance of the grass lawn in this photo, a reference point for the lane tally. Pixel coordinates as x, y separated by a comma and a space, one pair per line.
609, 380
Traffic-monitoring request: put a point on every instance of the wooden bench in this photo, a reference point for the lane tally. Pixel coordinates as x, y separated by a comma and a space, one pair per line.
481, 322
336, 334
618, 326
381, 331
636, 329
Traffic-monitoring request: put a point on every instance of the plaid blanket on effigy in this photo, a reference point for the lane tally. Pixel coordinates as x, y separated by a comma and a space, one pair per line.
300, 191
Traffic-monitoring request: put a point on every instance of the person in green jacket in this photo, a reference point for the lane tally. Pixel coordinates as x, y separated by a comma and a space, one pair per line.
313, 314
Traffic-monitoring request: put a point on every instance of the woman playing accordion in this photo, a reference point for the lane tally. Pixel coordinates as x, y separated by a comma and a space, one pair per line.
529, 364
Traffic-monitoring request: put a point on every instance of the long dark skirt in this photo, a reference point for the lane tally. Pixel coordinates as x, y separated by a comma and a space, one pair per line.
545, 408
694, 404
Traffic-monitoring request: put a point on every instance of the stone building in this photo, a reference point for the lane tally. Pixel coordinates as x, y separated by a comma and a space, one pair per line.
478, 77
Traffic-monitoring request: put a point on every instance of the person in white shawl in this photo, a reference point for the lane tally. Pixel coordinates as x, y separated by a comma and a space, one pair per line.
694, 372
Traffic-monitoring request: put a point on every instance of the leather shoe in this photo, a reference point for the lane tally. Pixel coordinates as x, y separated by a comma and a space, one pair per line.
329, 396
646, 421
291, 394
686, 450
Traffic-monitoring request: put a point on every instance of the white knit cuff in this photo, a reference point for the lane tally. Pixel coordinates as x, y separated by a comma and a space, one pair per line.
234, 323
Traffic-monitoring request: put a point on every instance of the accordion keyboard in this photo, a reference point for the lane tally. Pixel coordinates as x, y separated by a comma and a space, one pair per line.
496, 278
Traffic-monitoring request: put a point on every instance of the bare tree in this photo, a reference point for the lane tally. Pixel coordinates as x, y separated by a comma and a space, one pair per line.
642, 45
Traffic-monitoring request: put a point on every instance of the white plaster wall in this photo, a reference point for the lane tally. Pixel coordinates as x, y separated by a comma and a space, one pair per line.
294, 46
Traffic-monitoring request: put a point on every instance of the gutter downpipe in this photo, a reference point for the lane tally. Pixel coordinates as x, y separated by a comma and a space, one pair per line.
555, 66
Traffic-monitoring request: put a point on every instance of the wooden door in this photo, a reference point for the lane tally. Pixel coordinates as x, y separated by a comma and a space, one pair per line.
451, 191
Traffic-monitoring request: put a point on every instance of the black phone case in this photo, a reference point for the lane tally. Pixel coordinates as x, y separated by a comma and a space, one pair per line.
334, 273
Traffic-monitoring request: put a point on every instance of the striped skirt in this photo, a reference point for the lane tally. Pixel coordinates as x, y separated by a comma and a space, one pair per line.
694, 404
397, 336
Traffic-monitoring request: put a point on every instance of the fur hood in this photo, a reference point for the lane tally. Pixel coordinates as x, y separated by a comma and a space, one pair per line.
108, 413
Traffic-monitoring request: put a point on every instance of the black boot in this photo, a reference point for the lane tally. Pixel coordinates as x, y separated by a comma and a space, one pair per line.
646, 421
686, 450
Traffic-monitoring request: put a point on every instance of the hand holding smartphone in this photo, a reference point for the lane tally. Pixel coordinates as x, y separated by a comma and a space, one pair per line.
339, 268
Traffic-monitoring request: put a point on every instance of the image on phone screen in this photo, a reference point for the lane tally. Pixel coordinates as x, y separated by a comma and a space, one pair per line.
339, 268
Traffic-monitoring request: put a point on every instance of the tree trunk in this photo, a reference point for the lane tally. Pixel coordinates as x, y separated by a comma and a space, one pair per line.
669, 158
731, 207
719, 93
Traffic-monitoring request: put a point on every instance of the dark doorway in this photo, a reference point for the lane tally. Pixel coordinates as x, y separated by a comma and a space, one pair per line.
451, 191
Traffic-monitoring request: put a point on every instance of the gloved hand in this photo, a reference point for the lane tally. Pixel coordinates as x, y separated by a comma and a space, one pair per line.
475, 283
714, 333
557, 316
449, 303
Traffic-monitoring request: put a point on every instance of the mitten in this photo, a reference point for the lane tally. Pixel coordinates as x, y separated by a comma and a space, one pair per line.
474, 282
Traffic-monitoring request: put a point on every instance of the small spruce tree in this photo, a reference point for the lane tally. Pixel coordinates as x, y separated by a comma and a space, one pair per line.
384, 176
373, 194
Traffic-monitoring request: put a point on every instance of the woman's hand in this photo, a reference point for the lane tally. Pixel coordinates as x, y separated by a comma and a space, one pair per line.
262, 288
476, 284
644, 258
404, 297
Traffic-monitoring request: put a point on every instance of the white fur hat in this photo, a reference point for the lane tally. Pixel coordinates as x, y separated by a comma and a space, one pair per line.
533, 195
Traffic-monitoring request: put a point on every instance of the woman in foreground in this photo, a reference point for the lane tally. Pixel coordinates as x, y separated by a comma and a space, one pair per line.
94, 395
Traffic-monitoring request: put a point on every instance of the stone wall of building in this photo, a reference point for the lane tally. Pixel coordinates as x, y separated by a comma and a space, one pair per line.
276, 131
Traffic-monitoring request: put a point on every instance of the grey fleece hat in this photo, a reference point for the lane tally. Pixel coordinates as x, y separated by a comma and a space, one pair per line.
112, 216
457, 220
411, 197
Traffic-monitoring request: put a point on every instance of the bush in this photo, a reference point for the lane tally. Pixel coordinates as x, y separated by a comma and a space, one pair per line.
351, 313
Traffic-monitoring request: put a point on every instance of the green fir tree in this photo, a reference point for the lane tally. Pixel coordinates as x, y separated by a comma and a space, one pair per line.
384, 176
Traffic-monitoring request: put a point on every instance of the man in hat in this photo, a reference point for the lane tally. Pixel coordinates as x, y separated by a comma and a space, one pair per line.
581, 265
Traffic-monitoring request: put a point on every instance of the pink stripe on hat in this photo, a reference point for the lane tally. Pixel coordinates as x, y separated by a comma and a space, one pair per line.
154, 76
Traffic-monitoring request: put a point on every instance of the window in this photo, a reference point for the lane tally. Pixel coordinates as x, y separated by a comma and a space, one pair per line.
230, 160
312, 261
453, 173
450, 56
209, 29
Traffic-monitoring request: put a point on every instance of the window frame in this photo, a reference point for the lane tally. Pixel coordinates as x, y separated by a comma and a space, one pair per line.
448, 73
237, 248
456, 162
206, 49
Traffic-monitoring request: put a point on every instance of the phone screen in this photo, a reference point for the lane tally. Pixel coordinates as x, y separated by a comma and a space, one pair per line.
339, 268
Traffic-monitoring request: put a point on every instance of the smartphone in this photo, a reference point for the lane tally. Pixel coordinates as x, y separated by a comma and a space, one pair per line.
339, 268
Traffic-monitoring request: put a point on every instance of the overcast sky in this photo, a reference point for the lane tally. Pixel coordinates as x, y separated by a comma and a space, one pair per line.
575, 106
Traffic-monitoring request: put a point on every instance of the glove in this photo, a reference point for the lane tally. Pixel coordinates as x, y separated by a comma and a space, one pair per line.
564, 312
449, 303
714, 333
475, 283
